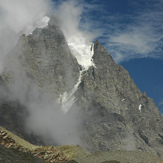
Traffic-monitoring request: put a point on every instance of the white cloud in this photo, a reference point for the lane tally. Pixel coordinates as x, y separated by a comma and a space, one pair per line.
17, 17
69, 13
17, 14
129, 36
139, 39
132, 43
46, 118
79, 40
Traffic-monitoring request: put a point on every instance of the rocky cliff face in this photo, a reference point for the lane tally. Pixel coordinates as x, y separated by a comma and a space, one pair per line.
116, 114
40, 62
44, 58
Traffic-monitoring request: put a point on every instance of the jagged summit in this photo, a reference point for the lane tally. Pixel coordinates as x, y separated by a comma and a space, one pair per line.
115, 114
101, 57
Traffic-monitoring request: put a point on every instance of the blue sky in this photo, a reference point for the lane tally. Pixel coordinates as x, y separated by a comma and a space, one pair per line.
132, 32
133, 35
147, 74
128, 29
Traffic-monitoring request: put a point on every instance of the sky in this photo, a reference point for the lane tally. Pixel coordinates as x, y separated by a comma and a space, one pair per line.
132, 32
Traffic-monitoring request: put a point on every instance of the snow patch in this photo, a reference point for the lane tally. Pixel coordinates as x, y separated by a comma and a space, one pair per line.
140, 107
123, 99
82, 52
68, 99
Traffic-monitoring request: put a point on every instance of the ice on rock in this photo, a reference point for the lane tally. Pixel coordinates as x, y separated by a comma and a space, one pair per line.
140, 107
82, 50
68, 99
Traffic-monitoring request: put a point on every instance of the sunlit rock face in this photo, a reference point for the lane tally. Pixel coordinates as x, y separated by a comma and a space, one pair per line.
116, 114
84, 79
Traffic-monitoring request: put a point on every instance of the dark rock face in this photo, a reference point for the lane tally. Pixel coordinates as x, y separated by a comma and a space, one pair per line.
116, 114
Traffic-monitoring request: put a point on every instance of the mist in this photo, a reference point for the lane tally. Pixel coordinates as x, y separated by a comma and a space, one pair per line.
18, 17
45, 118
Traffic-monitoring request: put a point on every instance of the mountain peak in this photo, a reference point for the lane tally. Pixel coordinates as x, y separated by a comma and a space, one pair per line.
115, 114
101, 57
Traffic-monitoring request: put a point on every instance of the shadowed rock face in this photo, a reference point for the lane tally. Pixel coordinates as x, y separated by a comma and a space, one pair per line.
44, 59
116, 114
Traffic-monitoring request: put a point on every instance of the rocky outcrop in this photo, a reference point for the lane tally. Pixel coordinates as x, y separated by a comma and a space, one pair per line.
51, 154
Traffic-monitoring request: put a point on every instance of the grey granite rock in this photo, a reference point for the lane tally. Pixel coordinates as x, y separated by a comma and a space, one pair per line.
44, 58
116, 114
